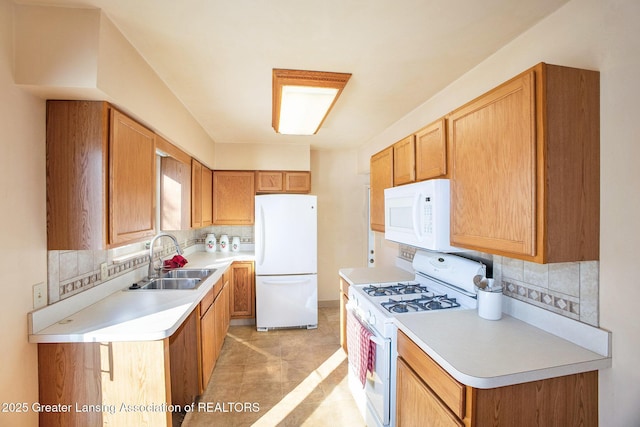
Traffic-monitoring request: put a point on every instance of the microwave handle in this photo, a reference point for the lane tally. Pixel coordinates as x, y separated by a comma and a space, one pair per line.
417, 218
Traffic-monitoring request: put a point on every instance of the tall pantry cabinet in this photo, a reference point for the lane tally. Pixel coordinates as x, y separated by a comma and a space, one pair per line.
100, 177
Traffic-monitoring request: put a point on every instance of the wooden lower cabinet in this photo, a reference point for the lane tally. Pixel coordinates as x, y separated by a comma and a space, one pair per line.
126, 383
242, 295
101, 383
183, 358
428, 396
344, 299
417, 405
214, 323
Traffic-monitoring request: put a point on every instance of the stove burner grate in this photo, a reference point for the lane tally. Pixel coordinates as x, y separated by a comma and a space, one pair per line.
395, 289
424, 303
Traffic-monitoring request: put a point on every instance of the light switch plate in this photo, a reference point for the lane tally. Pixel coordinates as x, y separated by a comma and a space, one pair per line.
104, 272
39, 295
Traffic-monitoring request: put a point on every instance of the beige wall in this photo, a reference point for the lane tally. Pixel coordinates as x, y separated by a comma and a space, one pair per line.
342, 216
22, 228
67, 53
262, 156
602, 36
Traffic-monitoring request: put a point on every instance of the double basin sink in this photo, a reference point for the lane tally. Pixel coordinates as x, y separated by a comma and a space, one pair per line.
179, 279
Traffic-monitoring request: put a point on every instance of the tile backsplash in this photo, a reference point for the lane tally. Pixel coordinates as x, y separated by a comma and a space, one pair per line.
72, 272
569, 289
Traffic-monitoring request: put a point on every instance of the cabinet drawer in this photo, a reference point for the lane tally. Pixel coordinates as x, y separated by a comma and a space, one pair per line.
444, 385
206, 302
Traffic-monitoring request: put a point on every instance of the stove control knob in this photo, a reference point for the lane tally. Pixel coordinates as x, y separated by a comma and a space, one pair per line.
372, 318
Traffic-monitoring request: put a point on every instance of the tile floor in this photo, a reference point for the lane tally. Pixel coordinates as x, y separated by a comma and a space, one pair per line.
293, 377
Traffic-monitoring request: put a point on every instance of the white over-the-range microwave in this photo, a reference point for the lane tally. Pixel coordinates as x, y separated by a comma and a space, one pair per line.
418, 215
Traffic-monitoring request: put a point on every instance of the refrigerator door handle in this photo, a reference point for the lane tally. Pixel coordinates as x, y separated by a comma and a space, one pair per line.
285, 282
261, 227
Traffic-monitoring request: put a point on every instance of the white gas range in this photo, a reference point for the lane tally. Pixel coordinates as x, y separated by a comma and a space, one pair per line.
442, 282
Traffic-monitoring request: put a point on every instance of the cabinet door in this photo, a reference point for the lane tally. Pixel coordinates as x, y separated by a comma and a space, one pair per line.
431, 151
132, 180
344, 300
207, 196
77, 164
208, 341
242, 294
219, 316
297, 182
381, 177
196, 194
183, 349
493, 183
233, 197
175, 194
226, 291
417, 405
269, 181
404, 161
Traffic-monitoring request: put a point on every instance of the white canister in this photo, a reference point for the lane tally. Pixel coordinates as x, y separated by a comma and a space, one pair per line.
490, 304
235, 244
210, 243
224, 243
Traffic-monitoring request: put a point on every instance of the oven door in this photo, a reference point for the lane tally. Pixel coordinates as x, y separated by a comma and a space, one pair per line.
374, 400
378, 384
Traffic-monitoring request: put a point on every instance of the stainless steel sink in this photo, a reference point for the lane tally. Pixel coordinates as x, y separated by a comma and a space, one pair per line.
179, 279
189, 273
165, 283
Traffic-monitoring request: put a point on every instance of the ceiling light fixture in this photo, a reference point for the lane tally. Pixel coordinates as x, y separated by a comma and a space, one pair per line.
302, 99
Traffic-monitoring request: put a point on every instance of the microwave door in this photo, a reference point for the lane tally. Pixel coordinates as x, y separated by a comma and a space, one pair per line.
418, 224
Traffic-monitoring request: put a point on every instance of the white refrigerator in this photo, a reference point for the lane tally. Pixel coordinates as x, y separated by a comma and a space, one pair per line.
286, 235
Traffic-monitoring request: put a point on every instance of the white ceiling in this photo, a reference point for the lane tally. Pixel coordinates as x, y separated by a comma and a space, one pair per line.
217, 55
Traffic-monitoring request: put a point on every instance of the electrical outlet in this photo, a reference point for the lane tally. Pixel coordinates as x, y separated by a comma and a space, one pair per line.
104, 272
39, 295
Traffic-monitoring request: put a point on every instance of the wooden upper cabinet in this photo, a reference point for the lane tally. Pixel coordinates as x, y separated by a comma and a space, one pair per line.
233, 197
525, 167
269, 181
381, 177
132, 180
201, 195
207, 196
404, 161
175, 188
431, 151
196, 193
297, 182
283, 182
100, 177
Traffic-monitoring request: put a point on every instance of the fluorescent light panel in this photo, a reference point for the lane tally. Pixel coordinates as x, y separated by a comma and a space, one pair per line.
302, 99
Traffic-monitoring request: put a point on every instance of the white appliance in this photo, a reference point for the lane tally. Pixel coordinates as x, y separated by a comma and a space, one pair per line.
286, 233
418, 215
442, 282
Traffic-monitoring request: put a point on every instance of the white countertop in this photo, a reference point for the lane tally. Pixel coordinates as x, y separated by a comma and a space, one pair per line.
485, 353
367, 275
125, 315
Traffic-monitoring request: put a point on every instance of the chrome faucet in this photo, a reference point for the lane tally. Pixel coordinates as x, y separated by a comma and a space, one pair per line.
152, 269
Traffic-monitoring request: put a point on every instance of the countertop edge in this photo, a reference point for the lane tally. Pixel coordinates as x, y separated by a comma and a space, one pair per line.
53, 314
510, 379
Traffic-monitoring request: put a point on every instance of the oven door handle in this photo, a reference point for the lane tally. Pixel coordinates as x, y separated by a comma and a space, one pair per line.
379, 341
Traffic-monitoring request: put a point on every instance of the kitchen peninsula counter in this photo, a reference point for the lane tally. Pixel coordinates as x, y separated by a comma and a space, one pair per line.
486, 354
529, 345
124, 315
